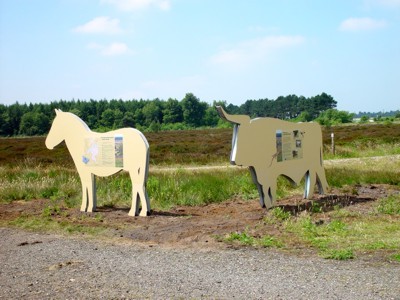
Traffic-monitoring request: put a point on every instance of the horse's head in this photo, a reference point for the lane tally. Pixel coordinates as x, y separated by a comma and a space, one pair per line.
56, 135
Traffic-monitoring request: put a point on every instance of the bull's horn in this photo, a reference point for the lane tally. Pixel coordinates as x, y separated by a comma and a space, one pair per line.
237, 119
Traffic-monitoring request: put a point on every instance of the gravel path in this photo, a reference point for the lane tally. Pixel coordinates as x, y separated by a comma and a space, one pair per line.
46, 266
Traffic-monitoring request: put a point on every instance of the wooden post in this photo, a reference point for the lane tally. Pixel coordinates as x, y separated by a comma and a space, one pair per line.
333, 143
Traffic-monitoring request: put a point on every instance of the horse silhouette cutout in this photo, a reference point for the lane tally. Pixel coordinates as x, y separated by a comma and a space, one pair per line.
103, 154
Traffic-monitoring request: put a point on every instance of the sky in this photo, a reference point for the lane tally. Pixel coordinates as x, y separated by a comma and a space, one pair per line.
229, 50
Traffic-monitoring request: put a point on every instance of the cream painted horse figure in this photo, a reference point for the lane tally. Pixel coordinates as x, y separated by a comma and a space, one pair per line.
103, 154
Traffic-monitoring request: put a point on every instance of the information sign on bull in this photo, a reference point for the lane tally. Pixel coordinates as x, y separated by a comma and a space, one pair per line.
103, 154
272, 147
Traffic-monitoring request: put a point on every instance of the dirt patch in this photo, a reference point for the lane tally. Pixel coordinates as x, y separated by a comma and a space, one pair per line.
196, 226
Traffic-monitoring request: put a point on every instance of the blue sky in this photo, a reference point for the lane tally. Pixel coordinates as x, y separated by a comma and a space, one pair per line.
231, 50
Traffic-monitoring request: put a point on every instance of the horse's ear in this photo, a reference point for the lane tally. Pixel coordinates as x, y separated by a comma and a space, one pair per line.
57, 111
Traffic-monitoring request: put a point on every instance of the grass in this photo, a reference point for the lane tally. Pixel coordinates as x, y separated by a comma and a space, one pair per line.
243, 238
361, 149
26, 181
346, 232
193, 188
389, 205
396, 257
40, 223
279, 214
341, 236
166, 190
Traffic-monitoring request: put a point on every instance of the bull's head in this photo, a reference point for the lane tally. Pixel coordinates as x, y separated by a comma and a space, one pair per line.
241, 121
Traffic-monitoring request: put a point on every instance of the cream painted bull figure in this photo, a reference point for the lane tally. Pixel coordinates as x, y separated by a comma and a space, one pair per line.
272, 147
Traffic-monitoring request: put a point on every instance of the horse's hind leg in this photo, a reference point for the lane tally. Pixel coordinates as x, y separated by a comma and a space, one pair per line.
139, 194
145, 201
134, 211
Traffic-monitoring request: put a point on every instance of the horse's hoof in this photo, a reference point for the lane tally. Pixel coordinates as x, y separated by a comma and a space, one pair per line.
144, 213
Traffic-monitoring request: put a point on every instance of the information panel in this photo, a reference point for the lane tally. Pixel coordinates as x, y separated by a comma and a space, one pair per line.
104, 151
289, 145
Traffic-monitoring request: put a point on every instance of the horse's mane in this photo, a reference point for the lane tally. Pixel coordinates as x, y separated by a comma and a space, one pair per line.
75, 118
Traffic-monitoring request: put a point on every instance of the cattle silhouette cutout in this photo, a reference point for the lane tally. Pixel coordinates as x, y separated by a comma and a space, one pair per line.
272, 147
103, 154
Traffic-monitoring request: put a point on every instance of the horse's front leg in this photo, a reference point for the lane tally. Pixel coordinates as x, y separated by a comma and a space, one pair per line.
85, 196
89, 199
92, 203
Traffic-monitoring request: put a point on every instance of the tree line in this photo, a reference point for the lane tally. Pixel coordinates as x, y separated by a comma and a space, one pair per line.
379, 114
154, 115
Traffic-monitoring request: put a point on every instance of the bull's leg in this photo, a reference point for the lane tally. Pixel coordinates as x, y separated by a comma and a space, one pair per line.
92, 203
321, 182
310, 180
270, 195
258, 185
261, 193
266, 188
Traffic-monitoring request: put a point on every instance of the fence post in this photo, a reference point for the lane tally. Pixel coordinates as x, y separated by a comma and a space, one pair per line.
333, 143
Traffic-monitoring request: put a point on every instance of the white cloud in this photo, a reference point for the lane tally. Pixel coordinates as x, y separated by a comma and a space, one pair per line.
100, 25
112, 49
361, 24
254, 50
131, 5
